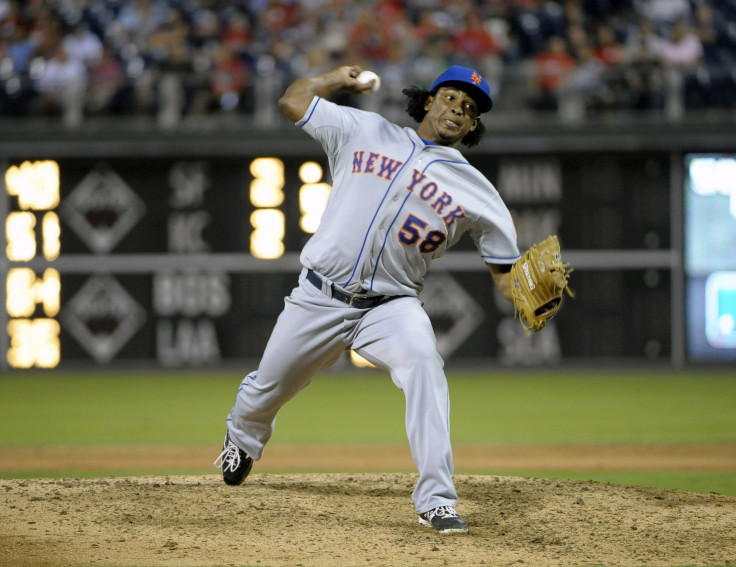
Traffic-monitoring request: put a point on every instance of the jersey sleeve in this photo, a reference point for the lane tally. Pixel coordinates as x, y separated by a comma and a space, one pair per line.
330, 124
495, 236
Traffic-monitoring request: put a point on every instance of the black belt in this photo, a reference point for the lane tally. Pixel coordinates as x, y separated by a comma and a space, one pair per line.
348, 298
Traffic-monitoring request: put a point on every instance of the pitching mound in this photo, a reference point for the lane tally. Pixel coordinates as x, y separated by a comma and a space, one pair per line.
325, 520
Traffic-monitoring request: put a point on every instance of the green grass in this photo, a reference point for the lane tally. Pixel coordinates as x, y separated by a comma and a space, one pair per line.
190, 408
110, 408
720, 482
58, 408
184, 408
628, 407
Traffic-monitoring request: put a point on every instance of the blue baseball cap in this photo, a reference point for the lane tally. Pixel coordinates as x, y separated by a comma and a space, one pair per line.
470, 81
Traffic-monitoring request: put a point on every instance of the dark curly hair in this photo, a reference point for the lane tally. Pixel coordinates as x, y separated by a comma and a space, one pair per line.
415, 108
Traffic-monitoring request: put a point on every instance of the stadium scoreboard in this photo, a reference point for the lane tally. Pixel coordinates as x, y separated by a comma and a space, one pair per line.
116, 242
185, 262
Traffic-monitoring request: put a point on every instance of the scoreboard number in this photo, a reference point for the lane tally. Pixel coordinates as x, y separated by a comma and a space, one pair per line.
33, 339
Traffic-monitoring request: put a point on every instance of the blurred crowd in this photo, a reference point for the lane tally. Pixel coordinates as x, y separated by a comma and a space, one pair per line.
193, 58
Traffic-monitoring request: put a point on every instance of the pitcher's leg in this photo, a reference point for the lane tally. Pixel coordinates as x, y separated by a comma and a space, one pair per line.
428, 431
305, 339
398, 337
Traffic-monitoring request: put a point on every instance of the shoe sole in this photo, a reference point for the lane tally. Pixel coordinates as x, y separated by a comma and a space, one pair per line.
453, 531
447, 531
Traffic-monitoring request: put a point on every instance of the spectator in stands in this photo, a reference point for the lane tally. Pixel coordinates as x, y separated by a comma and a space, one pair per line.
237, 35
171, 36
684, 49
83, 45
471, 42
717, 81
590, 81
578, 42
229, 78
430, 24
612, 54
205, 28
140, 18
713, 35
278, 17
45, 31
575, 15
644, 86
369, 39
608, 49
108, 91
61, 88
331, 30
552, 69
681, 55
663, 13
642, 41
21, 48
5, 10
13, 13
160, 43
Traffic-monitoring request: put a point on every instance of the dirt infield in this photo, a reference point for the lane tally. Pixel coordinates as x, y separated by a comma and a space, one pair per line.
326, 520
369, 458
367, 519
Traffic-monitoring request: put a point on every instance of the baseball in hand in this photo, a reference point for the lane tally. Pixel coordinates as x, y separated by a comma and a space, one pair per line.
366, 77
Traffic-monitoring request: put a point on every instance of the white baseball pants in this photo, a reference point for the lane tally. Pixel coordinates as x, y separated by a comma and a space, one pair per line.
311, 333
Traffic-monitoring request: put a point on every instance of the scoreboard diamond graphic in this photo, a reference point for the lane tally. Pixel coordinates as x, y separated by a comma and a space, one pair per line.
102, 209
102, 316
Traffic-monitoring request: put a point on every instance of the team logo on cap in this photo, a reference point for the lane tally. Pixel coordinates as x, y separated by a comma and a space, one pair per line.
476, 78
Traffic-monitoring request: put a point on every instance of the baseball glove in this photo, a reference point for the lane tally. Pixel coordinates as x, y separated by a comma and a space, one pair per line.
538, 280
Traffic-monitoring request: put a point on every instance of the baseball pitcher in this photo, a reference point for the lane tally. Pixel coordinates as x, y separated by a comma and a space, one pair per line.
400, 198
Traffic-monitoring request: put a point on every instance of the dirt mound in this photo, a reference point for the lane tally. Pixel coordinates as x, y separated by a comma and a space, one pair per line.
344, 520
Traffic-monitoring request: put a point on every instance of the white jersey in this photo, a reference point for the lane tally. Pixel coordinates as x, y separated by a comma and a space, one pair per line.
397, 203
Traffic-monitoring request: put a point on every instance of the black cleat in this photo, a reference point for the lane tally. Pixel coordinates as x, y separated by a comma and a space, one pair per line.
235, 463
445, 520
